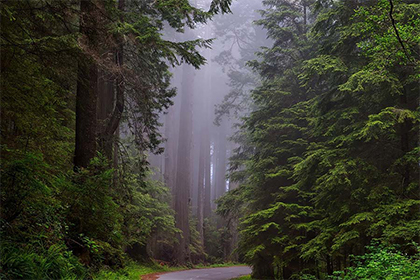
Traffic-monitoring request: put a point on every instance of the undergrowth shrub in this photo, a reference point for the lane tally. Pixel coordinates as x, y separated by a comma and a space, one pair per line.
29, 262
383, 263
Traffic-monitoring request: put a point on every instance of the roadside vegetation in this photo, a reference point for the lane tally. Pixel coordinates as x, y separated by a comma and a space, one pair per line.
133, 271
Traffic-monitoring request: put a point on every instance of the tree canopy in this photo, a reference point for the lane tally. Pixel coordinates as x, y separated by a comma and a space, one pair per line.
331, 158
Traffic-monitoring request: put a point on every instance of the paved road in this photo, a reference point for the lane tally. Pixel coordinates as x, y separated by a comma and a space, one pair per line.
218, 273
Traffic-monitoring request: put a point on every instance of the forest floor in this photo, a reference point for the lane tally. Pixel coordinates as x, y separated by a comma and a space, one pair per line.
135, 271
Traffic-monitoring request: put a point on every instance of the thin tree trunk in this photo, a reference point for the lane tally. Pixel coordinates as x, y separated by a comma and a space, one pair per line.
170, 152
207, 189
330, 268
115, 156
405, 128
195, 159
233, 229
221, 160
206, 135
200, 192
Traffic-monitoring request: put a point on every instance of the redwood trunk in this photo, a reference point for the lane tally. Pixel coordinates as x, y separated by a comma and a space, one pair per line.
105, 107
207, 189
200, 192
87, 89
170, 152
183, 178
221, 161
113, 118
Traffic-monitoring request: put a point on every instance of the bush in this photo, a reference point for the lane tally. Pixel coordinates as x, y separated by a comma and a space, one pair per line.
38, 263
66, 224
385, 263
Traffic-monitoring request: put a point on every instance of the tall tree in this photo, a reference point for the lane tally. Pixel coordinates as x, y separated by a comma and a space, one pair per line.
183, 178
87, 86
331, 137
221, 160
106, 98
47, 49
201, 184
170, 149
277, 132
116, 84
207, 176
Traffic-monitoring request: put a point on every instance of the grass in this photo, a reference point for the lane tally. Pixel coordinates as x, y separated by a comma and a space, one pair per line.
245, 277
133, 271
218, 265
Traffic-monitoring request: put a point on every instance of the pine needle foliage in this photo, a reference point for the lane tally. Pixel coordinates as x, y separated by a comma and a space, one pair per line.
333, 138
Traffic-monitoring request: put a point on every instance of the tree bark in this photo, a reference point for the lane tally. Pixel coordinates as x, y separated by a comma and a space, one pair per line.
207, 189
106, 96
200, 192
113, 117
87, 88
170, 152
221, 160
263, 269
183, 178
206, 137
120, 100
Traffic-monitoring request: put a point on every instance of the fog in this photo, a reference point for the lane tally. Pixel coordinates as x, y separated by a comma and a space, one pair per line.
216, 97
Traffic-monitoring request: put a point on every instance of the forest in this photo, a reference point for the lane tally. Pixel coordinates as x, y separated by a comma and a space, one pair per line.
144, 136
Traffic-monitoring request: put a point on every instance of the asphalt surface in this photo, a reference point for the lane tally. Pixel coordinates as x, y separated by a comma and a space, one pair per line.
218, 273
